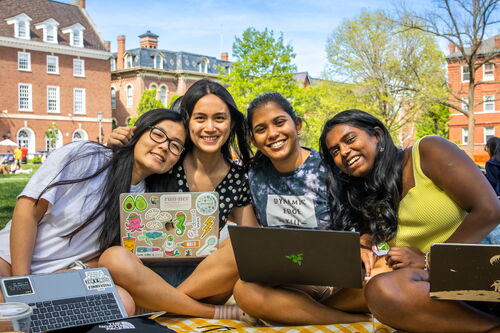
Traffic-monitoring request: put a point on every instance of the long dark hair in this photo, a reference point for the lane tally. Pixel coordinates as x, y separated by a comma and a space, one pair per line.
119, 174
259, 102
239, 136
371, 202
493, 145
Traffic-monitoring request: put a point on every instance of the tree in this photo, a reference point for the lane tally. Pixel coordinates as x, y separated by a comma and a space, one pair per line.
148, 102
395, 71
51, 134
434, 122
264, 64
464, 24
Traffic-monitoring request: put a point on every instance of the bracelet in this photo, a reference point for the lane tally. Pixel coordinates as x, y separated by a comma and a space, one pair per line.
427, 263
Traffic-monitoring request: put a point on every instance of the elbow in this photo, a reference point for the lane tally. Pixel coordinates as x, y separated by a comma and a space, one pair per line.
491, 214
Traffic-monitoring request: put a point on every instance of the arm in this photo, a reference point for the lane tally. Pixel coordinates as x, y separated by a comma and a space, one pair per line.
244, 216
23, 233
120, 136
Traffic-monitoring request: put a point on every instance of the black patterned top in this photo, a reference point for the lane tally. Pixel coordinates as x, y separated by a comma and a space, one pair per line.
233, 190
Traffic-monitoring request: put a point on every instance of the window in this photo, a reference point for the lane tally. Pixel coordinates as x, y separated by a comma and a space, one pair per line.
24, 95
465, 135
488, 133
203, 66
158, 61
113, 64
52, 64
163, 95
54, 143
23, 138
465, 103
79, 101
77, 38
114, 123
78, 67
488, 103
130, 96
153, 87
79, 135
49, 30
24, 61
113, 98
465, 74
75, 34
21, 24
53, 99
128, 61
488, 72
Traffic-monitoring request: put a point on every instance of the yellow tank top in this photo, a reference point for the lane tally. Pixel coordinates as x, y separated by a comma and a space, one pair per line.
426, 215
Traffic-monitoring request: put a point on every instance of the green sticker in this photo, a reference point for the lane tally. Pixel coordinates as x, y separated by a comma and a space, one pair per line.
296, 258
128, 204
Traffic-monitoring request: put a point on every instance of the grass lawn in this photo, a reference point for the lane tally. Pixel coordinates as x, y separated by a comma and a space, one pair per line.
10, 187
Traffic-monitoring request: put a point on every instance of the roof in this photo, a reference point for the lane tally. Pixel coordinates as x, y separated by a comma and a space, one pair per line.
148, 34
487, 47
41, 10
144, 57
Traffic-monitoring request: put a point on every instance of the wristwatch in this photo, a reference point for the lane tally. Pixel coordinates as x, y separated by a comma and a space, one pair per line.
78, 264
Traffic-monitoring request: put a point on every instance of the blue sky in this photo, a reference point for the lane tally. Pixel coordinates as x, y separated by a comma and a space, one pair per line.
203, 26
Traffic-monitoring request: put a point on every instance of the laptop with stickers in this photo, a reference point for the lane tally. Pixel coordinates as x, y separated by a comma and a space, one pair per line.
297, 256
166, 225
466, 272
67, 299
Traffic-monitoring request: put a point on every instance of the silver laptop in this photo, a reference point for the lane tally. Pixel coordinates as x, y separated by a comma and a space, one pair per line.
297, 256
170, 225
67, 299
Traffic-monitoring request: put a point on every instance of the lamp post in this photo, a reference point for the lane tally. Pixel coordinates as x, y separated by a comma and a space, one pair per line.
99, 118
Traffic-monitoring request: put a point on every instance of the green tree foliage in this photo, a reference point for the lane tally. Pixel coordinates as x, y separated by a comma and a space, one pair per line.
434, 121
263, 65
396, 72
148, 102
51, 134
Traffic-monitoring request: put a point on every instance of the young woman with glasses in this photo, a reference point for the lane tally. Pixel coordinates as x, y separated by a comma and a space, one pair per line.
69, 210
216, 130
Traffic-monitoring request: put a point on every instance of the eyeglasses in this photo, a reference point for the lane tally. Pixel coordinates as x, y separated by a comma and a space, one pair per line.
158, 135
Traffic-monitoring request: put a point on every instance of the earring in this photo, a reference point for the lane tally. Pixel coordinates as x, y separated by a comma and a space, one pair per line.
382, 149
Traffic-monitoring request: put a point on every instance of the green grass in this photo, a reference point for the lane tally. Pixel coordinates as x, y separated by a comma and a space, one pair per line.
10, 187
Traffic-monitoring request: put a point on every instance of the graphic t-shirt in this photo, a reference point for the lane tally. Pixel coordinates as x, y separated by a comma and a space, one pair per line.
295, 199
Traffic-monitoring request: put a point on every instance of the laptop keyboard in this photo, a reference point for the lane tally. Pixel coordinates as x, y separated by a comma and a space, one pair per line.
72, 312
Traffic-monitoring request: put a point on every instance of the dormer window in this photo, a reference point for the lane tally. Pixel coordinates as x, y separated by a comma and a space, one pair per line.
49, 30
128, 61
75, 34
159, 61
21, 24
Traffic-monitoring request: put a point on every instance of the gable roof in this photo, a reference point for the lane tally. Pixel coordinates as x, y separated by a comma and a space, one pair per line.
41, 10
487, 47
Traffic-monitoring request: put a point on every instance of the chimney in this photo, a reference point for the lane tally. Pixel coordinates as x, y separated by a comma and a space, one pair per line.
224, 56
452, 47
148, 40
497, 42
107, 45
79, 3
121, 51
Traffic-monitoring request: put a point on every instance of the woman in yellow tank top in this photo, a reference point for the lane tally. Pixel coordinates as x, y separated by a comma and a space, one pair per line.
411, 198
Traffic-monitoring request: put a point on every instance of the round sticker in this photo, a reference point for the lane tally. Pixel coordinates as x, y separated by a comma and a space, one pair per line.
206, 203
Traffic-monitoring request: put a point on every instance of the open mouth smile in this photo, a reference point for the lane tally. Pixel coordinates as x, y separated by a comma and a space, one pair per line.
277, 144
352, 160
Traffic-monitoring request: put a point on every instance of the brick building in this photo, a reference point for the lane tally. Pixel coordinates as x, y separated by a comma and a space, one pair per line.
487, 95
54, 68
147, 67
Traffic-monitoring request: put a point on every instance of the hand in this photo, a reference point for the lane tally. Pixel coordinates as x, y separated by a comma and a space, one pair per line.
368, 259
404, 256
121, 135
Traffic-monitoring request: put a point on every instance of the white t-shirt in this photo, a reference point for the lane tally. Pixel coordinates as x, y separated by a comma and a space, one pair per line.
69, 206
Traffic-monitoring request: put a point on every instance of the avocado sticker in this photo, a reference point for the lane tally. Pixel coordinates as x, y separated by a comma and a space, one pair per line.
140, 203
128, 204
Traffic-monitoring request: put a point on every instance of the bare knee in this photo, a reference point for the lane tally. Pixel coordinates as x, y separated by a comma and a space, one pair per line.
5, 268
249, 297
121, 263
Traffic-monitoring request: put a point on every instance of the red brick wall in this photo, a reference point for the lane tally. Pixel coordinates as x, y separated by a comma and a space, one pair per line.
96, 82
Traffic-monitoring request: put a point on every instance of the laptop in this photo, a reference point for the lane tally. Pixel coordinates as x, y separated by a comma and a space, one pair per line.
67, 299
297, 256
467, 272
170, 225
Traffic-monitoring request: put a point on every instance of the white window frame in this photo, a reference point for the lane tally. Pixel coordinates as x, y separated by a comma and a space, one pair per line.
462, 73
489, 101
465, 103
129, 58
465, 135
80, 131
50, 31
28, 61
56, 58
18, 20
486, 135
113, 98
113, 64
82, 63
77, 91
130, 95
163, 99
486, 75
74, 31
162, 61
29, 106
57, 99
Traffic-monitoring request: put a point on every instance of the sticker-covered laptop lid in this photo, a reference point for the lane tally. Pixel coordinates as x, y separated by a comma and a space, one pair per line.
169, 225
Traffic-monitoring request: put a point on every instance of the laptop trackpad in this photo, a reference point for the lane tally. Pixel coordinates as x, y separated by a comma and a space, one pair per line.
57, 286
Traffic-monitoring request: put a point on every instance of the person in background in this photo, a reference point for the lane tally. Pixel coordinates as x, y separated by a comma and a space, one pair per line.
493, 164
24, 154
17, 155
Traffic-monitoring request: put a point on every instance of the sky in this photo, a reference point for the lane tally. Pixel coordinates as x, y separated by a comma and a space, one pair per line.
209, 27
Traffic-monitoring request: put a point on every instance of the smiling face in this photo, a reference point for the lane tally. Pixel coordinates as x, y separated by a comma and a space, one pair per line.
353, 149
210, 124
275, 134
155, 158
